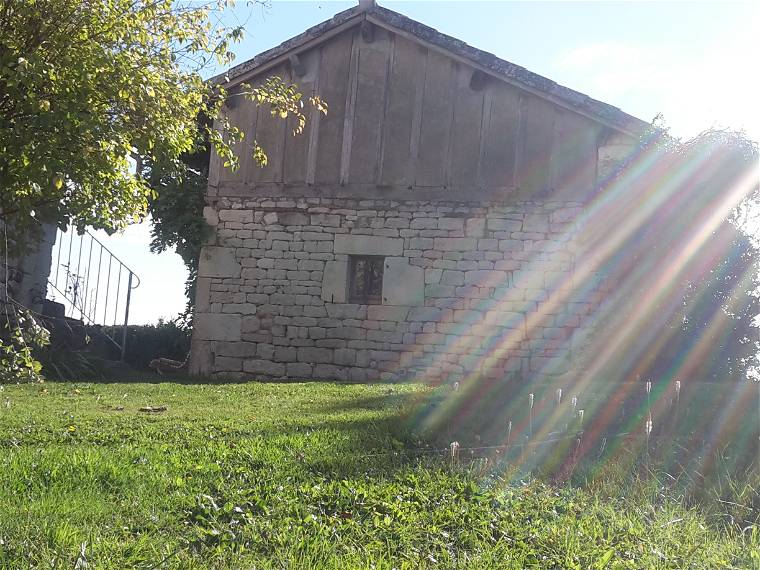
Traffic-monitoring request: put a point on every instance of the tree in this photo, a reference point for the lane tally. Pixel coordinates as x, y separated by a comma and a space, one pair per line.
177, 214
682, 297
87, 85
101, 104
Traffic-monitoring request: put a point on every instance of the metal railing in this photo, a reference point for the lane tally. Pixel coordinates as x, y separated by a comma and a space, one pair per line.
95, 285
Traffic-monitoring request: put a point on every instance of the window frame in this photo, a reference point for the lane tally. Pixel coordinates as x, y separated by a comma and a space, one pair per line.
364, 298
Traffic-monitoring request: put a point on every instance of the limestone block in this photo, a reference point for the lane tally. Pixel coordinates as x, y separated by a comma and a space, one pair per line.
498, 224
315, 355
317, 333
452, 224
343, 311
270, 218
264, 367
201, 356
566, 214
250, 324
536, 223
314, 311
286, 354
315, 236
293, 219
311, 265
218, 262
335, 282
433, 276
385, 336
242, 308
550, 365
334, 343
475, 227
387, 313
510, 245
348, 333
354, 244
210, 215
330, 372
282, 299
396, 223
424, 224
504, 319
202, 294
455, 244
228, 364
242, 216
345, 356
217, 326
435, 290
298, 370
265, 351
452, 277
280, 236
329, 220
421, 243
425, 314
403, 284
460, 264
236, 349
487, 278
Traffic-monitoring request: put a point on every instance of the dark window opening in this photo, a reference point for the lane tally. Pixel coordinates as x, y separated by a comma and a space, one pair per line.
365, 279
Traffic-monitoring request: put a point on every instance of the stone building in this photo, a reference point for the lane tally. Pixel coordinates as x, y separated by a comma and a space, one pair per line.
426, 227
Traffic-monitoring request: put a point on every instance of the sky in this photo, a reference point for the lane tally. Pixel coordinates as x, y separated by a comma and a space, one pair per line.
694, 62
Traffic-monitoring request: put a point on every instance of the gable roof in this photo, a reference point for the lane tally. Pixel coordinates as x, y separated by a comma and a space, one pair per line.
411, 29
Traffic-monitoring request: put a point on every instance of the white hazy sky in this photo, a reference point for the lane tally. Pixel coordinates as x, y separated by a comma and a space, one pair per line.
695, 62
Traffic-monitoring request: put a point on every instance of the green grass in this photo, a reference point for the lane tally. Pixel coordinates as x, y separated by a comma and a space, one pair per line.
310, 475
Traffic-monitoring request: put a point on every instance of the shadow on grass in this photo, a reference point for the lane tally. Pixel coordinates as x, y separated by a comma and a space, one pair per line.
131, 376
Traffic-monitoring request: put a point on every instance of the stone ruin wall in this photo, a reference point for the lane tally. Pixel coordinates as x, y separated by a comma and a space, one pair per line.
469, 288
25, 267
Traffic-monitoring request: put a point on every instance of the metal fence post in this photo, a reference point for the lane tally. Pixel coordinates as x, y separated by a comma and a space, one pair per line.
126, 319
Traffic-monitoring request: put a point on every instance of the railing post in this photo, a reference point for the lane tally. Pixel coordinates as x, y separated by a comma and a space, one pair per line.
126, 319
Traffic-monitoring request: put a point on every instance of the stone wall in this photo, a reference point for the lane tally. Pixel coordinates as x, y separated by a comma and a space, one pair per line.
24, 271
468, 288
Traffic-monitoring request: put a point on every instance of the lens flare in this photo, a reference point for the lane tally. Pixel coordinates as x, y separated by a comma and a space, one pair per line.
643, 245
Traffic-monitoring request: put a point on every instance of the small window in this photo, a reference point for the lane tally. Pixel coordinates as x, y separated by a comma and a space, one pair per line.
365, 279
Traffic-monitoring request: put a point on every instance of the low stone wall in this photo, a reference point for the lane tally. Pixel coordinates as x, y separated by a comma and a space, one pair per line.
468, 288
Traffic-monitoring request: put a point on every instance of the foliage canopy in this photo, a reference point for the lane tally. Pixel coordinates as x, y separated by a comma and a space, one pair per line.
88, 87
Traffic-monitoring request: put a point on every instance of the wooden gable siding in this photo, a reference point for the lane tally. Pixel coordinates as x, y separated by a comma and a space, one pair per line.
402, 116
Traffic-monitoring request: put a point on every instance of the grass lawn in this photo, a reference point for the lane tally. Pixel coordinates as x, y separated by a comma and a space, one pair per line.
310, 475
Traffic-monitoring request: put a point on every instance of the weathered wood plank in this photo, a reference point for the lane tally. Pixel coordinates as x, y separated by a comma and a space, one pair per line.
242, 114
498, 165
522, 119
315, 118
369, 107
539, 135
407, 75
436, 121
467, 130
270, 135
214, 168
574, 153
333, 88
297, 146
350, 114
